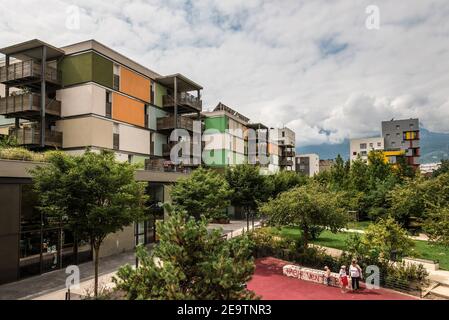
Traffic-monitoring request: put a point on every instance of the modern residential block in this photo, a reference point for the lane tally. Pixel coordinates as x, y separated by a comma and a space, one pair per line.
307, 164
363, 146
402, 140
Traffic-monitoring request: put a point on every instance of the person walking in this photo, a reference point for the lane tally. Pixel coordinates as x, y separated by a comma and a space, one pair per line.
356, 275
327, 275
343, 279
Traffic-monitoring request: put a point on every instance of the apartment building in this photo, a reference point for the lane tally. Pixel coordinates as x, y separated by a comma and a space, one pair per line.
363, 146
283, 139
402, 140
230, 138
307, 164
81, 96
326, 165
94, 97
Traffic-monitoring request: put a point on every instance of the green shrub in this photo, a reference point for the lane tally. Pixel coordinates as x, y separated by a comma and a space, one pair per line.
18, 153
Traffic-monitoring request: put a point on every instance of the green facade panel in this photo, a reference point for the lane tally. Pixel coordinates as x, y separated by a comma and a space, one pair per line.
102, 70
86, 67
217, 123
160, 92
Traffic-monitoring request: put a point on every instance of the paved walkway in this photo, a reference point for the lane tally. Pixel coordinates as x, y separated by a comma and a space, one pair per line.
269, 282
421, 236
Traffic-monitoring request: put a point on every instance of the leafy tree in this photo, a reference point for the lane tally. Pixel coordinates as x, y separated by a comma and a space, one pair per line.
339, 173
204, 192
406, 202
403, 170
378, 168
387, 239
190, 262
92, 194
286, 180
249, 187
307, 207
444, 168
8, 141
358, 175
437, 226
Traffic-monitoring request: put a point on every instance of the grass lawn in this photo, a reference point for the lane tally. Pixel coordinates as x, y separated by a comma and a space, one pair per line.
338, 240
359, 225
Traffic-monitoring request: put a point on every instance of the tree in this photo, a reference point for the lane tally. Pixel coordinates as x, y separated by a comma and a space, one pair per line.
190, 262
286, 180
378, 168
406, 202
358, 175
308, 207
339, 173
387, 239
204, 192
444, 168
437, 226
249, 187
92, 194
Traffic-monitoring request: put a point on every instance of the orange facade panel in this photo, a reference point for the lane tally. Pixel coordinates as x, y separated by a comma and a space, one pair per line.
134, 84
128, 110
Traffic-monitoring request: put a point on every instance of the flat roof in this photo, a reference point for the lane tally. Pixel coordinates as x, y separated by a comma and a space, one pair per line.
183, 83
32, 49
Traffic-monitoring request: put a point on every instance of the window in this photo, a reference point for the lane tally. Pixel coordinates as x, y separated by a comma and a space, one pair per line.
398, 127
152, 92
363, 146
379, 144
411, 125
393, 143
130, 158
283, 134
116, 84
116, 137
354, 153
397, 134
108, 104
364, 153
371, 145
147, 115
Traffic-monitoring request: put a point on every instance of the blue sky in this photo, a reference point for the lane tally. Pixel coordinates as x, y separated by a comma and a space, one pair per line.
310, 65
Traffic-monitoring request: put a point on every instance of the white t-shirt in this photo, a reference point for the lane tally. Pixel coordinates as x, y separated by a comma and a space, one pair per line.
354, 271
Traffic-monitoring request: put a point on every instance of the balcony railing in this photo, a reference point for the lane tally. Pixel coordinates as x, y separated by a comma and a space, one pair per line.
26, 71
168, 123
32, 136
27, 106
166, 148
184, 99
289, 153
165, 166
286, 163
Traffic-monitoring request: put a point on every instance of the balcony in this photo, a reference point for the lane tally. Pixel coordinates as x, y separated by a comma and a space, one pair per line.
31, 136
186, 102
25, 72
289, 153
168, 123
28, 106
286, 163
166, 148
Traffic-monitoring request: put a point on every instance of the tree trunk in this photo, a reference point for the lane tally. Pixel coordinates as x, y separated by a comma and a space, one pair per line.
97, 252
305, 237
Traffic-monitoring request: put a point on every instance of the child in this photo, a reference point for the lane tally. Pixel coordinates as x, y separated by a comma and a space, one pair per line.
327, 275
343, 279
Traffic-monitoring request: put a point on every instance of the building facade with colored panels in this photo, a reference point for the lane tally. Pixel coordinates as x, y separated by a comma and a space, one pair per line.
102, 100
402, 139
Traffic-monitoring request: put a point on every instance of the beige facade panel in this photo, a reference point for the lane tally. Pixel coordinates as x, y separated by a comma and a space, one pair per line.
118, 242
134, 139
85, 132
84, 99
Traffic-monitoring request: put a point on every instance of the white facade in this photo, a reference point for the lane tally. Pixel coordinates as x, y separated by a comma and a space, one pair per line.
84, 99
364, 146
427, 168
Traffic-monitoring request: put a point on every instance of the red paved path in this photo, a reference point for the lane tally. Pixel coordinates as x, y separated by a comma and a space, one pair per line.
269, 283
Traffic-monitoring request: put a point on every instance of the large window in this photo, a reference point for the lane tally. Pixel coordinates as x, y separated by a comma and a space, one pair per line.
108, 104
116, 84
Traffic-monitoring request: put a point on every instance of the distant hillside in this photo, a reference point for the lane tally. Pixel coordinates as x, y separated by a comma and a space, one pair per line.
434, 147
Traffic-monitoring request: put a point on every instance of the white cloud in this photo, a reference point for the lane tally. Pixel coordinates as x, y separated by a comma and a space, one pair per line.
311, 65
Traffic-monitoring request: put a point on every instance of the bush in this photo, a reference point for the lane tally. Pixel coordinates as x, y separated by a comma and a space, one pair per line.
16, 153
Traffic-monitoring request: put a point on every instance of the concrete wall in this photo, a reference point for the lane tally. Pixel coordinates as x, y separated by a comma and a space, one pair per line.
86, 131
118, 242
134, 139
84, 99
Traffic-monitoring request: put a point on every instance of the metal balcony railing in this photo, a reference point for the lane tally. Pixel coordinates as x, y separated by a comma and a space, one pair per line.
28, 105
168, 123
26, 71
185, 99
32, 136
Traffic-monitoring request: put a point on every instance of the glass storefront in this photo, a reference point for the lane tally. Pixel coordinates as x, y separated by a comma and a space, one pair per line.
45, 245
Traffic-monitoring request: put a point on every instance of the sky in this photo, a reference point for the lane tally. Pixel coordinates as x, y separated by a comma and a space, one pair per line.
328, 69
